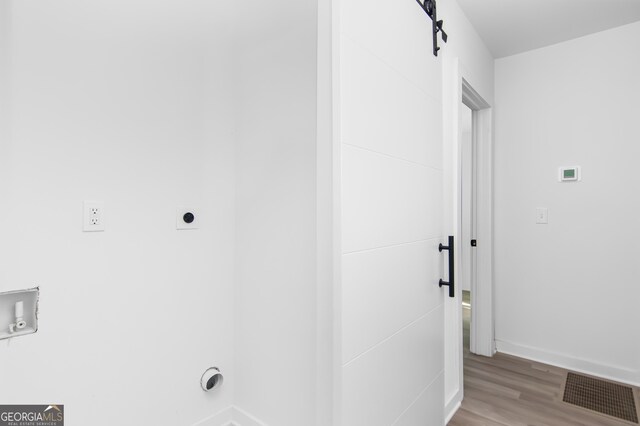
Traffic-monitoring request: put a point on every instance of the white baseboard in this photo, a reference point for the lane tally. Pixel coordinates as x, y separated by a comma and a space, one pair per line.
452, 404
451, 409
591, 368
222, 418
231, 416
242, 418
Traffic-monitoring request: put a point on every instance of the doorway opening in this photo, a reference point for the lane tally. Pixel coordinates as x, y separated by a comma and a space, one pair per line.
475, 218
467, 219
477, 270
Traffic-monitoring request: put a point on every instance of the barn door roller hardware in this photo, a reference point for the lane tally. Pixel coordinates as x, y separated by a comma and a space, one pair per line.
429, 6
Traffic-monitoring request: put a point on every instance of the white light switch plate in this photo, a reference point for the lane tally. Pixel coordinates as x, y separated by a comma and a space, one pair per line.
542, 215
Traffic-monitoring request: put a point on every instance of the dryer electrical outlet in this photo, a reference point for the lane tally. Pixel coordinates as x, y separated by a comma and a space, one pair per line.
187, 218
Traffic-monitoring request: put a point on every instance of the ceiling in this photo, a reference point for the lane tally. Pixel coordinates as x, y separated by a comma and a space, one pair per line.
514, 26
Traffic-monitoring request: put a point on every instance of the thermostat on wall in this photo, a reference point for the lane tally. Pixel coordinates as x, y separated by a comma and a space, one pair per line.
569, 174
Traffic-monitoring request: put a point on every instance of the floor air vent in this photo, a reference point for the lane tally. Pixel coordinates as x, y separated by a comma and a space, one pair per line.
601, 396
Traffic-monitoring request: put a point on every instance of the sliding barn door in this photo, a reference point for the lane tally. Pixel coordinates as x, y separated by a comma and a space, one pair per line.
392, 179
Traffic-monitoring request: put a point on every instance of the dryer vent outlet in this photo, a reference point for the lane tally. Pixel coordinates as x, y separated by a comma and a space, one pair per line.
211, 379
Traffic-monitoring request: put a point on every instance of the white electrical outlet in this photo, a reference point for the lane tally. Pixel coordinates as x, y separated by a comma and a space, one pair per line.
93, 219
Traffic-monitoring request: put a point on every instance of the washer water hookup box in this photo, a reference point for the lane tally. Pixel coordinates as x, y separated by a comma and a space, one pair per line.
19, 312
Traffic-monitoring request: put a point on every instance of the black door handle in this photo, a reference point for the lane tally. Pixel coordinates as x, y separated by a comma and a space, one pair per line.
451, 282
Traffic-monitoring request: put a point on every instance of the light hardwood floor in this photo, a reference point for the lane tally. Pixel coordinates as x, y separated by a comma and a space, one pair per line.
509, 391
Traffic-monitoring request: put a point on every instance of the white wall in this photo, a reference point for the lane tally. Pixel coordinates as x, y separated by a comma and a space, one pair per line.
275, 320
125, 102
566, 292
476, 62
147, 108
5, 104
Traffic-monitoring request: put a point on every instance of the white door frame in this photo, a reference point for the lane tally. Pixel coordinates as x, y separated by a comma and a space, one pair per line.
482, 338
457, 88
